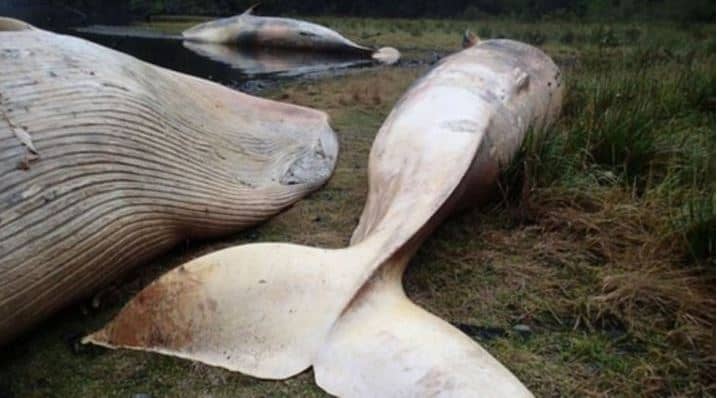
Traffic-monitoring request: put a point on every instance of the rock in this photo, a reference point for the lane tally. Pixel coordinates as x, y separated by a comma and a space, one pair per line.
523, 329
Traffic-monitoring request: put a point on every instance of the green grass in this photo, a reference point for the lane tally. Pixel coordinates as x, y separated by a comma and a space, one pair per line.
602, 241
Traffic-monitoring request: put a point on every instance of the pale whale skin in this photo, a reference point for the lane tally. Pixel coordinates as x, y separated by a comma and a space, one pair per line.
272, 310
248, 30
107, 161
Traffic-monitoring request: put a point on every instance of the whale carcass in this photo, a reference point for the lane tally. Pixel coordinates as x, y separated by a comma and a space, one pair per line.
107, 161
273, 61
248, 30
272, 310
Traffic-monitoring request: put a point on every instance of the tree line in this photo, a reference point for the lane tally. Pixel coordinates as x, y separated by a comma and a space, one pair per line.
681, 10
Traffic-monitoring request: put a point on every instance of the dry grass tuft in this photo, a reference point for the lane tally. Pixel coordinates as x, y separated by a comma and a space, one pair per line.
645, 283
678, 295
612, 224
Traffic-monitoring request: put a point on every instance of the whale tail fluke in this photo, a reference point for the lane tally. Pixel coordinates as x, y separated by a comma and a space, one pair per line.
273, 310
386, 55
259, 309
386, 346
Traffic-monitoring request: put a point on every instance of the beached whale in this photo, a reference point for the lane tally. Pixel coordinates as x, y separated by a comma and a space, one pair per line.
273, 61
248, 30
107, 161
272, 310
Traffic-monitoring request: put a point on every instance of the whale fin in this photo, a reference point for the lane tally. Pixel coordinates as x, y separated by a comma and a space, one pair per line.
470, 39
259, 309
251, 9
386, 346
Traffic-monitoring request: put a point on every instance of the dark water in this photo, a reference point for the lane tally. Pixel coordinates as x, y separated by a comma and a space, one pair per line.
247, 70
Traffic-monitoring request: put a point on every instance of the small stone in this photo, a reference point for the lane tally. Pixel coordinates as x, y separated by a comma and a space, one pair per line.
523, 329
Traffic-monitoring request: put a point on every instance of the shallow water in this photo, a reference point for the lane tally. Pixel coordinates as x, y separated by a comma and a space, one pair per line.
245, 69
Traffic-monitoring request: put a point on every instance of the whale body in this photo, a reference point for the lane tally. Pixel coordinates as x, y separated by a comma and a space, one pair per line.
248, 30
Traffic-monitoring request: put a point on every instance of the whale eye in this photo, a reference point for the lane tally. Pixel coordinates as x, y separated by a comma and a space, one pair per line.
308, 34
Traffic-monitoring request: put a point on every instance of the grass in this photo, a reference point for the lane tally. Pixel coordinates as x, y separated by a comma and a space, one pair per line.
602, 243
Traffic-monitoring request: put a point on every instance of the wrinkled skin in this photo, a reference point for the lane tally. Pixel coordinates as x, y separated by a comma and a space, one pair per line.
272, 310
106, 162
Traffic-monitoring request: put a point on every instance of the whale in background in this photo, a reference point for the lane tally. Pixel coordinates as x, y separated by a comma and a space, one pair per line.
249, 30
273, 61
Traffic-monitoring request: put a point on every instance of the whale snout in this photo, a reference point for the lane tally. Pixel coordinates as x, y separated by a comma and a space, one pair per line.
316, 164
386, 55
